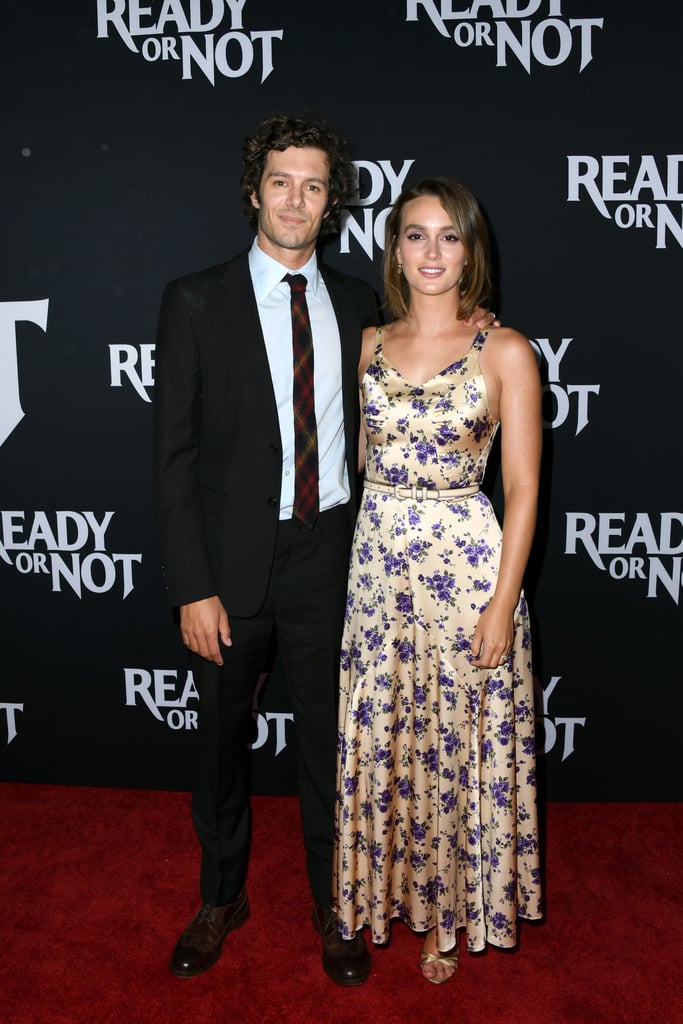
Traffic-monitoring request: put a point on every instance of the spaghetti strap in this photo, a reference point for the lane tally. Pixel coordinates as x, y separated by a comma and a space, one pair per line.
479, 340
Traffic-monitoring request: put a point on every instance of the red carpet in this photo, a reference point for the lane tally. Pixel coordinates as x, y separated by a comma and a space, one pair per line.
97, 884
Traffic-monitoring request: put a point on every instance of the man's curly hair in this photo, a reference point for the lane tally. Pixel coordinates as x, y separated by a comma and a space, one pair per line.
279, 132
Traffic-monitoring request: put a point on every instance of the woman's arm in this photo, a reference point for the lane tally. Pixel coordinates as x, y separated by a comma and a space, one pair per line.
515, 381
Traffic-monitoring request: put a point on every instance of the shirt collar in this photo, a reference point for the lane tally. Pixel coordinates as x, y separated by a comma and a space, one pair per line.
267, 273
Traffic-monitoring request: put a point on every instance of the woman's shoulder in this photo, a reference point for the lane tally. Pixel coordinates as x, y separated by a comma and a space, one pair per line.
507, 349
373, 340
506, 342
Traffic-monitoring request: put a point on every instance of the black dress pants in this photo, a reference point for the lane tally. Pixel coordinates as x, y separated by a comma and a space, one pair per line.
304, 608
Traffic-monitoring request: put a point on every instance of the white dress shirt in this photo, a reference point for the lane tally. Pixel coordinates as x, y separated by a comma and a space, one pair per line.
273, 297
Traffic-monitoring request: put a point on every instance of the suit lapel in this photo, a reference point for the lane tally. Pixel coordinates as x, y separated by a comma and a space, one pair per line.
350, 338
239, 309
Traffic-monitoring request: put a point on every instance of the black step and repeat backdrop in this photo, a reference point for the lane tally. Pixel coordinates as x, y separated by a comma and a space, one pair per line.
121, 139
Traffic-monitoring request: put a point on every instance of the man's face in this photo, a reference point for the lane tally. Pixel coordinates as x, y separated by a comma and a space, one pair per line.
291, 203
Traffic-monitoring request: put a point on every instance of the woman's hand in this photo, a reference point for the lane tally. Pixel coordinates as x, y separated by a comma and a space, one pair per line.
492, 640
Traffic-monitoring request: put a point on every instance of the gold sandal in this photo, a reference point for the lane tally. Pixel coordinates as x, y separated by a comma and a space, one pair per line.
448, 960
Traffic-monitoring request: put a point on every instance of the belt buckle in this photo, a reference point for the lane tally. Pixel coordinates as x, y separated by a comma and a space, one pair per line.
416, 493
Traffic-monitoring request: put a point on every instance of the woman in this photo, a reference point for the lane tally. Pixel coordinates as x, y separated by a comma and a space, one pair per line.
436, 817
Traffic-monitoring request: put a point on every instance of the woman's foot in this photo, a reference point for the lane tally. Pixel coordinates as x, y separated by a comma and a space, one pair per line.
436, 966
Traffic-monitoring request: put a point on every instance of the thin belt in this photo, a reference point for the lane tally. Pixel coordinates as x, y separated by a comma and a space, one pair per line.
403, 491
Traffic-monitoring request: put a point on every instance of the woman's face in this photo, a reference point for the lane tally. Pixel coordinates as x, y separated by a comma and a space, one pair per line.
428, 246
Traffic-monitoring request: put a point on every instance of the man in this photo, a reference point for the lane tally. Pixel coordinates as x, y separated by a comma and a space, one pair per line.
256, 522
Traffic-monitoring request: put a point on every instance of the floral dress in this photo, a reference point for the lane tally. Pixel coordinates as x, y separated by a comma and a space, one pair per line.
436, 814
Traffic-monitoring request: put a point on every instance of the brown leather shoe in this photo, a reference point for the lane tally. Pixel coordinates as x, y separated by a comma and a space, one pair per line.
201, 944
346, 961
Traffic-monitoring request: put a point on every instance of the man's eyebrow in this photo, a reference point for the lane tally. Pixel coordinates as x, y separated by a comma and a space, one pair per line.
288, 174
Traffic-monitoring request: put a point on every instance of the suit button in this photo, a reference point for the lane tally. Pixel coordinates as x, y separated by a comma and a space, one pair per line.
274, 449
272, 502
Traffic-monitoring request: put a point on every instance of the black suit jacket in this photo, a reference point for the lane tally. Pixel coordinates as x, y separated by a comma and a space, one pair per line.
218, 453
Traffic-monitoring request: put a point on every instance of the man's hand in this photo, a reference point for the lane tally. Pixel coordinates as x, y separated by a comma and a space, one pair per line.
482, 318
201, 623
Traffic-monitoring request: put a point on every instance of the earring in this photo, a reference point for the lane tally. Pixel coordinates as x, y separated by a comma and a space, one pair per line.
400, 267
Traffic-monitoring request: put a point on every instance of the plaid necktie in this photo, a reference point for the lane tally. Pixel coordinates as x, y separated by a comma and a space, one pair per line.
306, 502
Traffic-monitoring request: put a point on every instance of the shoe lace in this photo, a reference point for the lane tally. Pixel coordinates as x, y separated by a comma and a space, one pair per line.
206, 913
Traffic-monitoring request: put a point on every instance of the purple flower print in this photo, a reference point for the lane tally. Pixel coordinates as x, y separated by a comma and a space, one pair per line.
448, 920
451, 460
424, 452
373, 638
429, 892
499, 921
363, 713
383, 757
461, 643
398, 475
501, 791
384, 801
526, 844
417, 831
364, 553
404, 603
420, 696
474, 836
442, 584
375, 851
405, 789
476, 551
416, 549
529, 745
394, 565
406, 650
473, 860
447, 433
448, 802
430, 759
474, 700
505, 732
523, 713
510, 890
480, 428
350, 785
